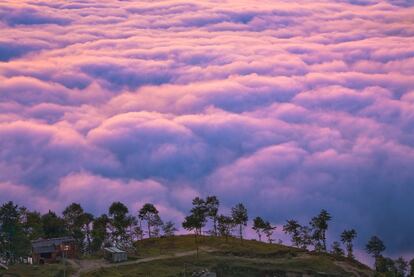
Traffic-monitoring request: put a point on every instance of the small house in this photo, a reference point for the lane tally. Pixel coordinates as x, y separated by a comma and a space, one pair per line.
52, 250
115, 255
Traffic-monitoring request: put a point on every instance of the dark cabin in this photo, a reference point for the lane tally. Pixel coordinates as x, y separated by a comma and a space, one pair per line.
52, 250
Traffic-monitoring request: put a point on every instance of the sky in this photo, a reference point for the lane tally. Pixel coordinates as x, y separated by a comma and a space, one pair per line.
287, 106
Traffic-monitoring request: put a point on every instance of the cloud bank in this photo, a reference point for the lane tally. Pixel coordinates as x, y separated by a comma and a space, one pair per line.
288, 106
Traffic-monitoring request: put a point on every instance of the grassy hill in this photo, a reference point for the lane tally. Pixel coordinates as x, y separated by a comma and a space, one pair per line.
232, 258
162, 257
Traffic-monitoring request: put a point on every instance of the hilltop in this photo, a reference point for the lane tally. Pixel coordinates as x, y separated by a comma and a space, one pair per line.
232, 258
174, 256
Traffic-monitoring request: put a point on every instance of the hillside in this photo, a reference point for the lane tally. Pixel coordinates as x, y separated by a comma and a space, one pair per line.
47, 270
173, 257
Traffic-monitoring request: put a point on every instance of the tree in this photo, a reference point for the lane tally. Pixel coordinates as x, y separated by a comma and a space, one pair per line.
390, 266
99, 232
336, 249
13, 241
212, 205
305, 236
258, 225
149, 213
385, 265
319, 226
412, 268
200, 212
53, 225
198, 217
240, 217
347, 237
193, 223
32, 224
87, 220
120, 222
268, 231
401, 266
225, 226
293, 228
74, 218
157, 225
300, 235
375, 246
169, 229
137, 233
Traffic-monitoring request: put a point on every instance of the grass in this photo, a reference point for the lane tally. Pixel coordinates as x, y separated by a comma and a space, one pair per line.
227, 258
161, 246
47, 270
231, 258
223, 266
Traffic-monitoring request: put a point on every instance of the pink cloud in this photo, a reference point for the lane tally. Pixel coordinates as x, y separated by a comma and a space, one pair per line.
288, 106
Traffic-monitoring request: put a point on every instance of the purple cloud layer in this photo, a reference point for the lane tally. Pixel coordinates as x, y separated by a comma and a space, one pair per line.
290, 107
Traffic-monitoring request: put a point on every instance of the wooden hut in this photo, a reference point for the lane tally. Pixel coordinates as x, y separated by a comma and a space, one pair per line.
52, 250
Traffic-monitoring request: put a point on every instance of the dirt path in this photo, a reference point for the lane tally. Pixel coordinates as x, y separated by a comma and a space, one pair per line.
84, 266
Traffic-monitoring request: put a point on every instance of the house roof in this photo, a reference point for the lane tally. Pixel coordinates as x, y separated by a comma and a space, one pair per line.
114, 249
49, 245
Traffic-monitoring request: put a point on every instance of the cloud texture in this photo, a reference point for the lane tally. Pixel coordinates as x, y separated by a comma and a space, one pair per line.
288, 106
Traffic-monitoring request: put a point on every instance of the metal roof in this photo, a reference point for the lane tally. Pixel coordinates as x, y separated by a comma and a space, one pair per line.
49, 245
44, 249
114, 249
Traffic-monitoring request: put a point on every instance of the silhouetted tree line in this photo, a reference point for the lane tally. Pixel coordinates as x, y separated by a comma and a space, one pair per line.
19, 226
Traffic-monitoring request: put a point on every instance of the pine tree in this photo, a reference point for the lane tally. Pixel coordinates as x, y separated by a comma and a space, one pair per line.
149, 213
240, 218
258, 225
336, 249
347, 237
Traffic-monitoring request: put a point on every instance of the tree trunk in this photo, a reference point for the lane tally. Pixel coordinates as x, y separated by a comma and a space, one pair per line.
88, 237
215, 226
142, 231
149, 229
241, 233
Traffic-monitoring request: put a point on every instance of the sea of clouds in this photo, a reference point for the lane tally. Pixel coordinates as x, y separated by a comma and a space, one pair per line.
286, 106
